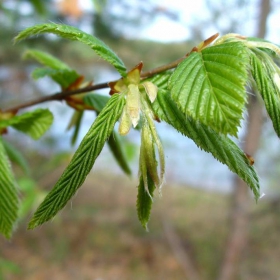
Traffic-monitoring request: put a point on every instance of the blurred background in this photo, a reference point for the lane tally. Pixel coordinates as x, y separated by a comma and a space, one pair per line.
206, 225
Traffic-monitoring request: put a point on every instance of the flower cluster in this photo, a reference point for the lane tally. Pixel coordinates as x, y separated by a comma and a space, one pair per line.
131, 86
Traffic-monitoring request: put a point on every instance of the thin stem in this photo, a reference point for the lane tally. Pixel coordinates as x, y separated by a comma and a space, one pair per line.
162, 68
64, 94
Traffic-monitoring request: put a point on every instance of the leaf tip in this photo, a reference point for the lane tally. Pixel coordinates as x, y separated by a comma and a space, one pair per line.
33, 224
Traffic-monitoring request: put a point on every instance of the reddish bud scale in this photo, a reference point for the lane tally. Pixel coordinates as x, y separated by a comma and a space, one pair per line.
250, 158
76, 84
6, 116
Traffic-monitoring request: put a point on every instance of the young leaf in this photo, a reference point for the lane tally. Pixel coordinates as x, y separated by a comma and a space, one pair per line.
34, 123
221, 147
97, 101
144, 200
268, 84
55, 68
39, 6
63, 77
75, 34
81, 163
116, 147
266, 46
76, 123
16, 156
209, 86
8, 195
46, 59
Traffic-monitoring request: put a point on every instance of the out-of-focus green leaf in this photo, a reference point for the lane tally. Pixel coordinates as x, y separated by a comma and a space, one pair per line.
81, 163
117, 149
39, 7
144, 200
16, 156
60, 72
46, 59
34, 123
99, 5
97, 101
32, 195
9, 202
72, 33
75, 122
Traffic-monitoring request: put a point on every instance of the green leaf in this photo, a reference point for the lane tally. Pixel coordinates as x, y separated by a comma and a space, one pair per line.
16, 156
8, 195
72, 33
117, 150
149, 179
75, 122
56, 69
144, 200
209, 86
46, 59
39, 7
63, 77
81, 163
148, 160
265, 46
267, 81
221, 147
34, 123
97, 101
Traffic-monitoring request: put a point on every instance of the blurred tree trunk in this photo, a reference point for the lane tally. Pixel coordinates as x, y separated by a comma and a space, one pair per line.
241, 200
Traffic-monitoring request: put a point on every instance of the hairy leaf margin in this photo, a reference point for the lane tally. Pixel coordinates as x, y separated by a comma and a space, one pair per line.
209, 86
220, 146
34, 123
81, 163
9, 201
75, 34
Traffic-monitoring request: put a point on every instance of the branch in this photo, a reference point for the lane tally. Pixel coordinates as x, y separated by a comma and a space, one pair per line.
64, 94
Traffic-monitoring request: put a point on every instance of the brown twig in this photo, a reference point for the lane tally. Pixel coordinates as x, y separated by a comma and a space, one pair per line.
63, 94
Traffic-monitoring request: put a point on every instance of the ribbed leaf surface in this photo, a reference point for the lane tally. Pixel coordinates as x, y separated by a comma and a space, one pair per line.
221, 147
81, 163
55, 68
34, 123
268, 83
8, 195
75, 34
16, 156
209, 86
98, 102
116, 147
144, 200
